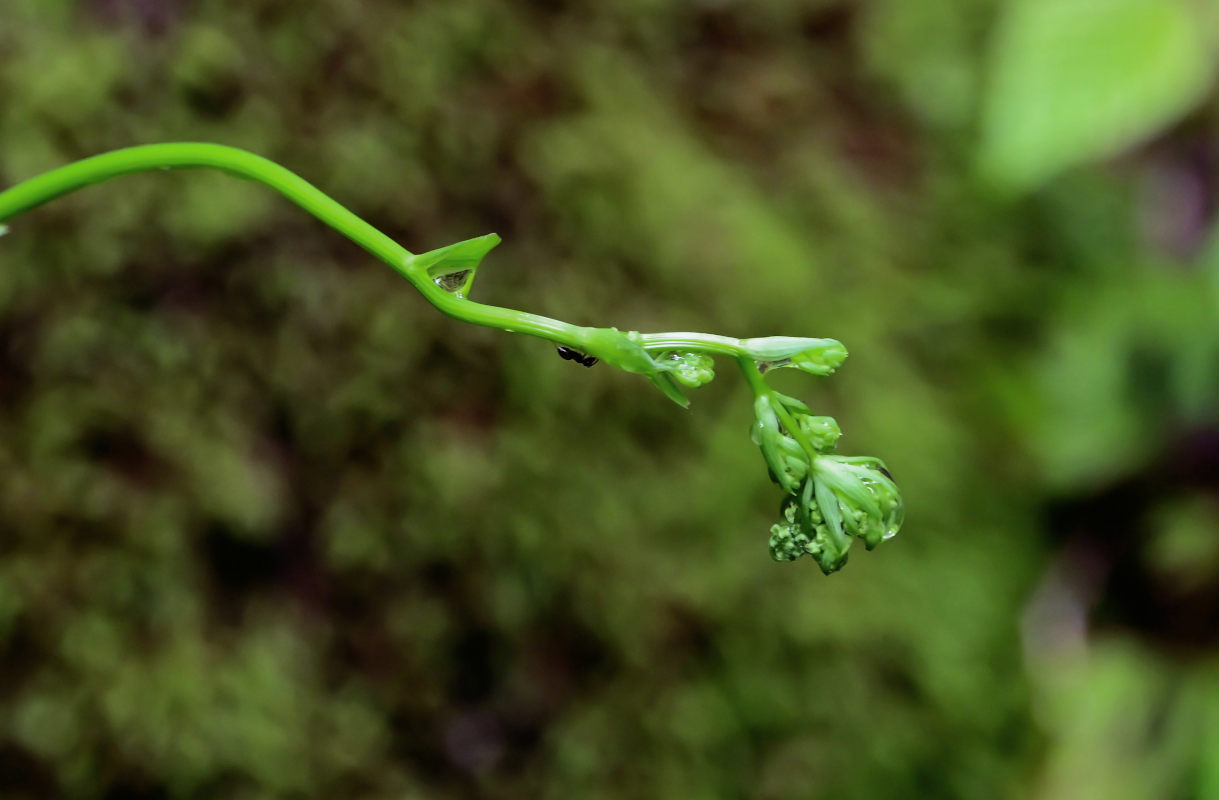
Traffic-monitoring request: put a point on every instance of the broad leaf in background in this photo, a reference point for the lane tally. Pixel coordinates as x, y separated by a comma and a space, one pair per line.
1075, 80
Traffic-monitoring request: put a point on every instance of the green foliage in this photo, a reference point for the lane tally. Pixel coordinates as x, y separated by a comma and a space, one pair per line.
1076, 80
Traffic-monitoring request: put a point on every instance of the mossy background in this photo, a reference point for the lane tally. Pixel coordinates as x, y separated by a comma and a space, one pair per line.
271, 527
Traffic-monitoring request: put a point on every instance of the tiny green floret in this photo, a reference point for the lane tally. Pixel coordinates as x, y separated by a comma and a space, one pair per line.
829, 500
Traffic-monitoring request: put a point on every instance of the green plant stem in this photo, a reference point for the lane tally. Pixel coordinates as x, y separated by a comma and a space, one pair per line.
753, 376
444, 275
189, 155
240, 163
700, 342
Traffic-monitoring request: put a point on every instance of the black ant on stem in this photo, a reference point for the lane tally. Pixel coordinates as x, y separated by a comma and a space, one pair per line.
572, 354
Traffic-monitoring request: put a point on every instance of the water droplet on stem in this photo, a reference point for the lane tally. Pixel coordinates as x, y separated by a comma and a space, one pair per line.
455, 282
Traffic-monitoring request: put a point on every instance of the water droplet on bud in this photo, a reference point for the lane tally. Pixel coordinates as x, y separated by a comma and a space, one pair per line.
894, 519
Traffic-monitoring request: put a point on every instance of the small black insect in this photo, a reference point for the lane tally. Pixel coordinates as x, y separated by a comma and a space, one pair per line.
571, 354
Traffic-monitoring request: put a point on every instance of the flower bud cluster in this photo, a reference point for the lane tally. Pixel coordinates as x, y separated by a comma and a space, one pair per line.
830, 500
689, 369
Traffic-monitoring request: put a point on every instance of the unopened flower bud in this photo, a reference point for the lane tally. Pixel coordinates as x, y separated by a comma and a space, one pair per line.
822, 432
864, 497
816, 356
788, 542
689, 369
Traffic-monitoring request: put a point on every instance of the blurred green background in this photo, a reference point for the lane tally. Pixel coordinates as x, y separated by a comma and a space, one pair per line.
271, 527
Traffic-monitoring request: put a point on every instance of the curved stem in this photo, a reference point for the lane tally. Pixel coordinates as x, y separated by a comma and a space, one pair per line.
702, 342
753, 376
186, 155
629, 351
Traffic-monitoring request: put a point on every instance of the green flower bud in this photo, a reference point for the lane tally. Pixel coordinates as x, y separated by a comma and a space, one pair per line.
821, 360
689, 369
815, 356
668, 373
862, 495
788, 542
822, 432
626, 351
804, 530
829, 559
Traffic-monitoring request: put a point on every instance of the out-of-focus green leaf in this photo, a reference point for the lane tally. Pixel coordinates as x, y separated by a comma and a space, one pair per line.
1074, 80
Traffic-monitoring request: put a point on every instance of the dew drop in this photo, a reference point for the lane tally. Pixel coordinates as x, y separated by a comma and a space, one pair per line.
892, 509
455, 282
894, 520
